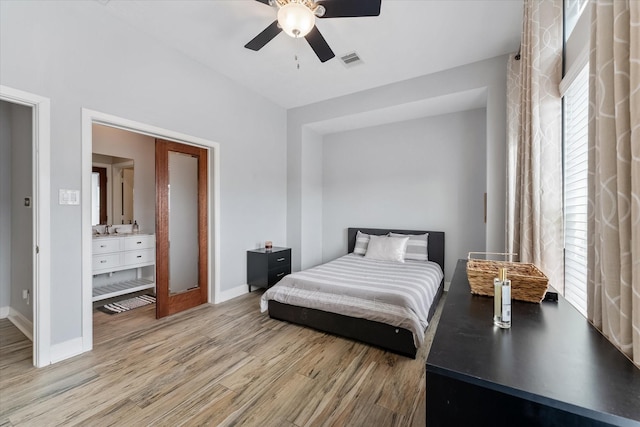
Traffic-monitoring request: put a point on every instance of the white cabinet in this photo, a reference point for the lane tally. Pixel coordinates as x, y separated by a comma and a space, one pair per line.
140, 256
141, 241
106, 263
106, 245
118, 253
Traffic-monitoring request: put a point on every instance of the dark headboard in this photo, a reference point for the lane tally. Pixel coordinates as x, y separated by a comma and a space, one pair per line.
435, 245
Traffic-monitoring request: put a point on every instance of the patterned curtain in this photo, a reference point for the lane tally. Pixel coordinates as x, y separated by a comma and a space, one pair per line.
613, 285
534, 142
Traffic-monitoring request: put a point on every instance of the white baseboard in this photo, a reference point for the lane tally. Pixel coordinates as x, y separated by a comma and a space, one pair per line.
446, 286
228, 294
65, 350
4, 312
25, 325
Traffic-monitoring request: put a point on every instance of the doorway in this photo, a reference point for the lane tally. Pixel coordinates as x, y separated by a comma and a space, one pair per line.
89, 118
123, 197
29, 302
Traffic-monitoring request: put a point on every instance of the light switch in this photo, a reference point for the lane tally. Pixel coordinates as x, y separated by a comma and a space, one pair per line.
68, 197
27, 202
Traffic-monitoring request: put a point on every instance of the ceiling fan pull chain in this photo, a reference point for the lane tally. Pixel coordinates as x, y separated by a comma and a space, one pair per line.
295, 56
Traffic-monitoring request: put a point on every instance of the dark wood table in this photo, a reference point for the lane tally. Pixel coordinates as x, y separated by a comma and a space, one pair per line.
552, 368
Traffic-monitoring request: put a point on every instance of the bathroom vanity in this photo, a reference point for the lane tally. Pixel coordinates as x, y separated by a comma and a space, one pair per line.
133, 255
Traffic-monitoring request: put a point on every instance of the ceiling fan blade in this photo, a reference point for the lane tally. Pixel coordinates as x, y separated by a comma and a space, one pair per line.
264, 37
350, 8
265, 2
319, 45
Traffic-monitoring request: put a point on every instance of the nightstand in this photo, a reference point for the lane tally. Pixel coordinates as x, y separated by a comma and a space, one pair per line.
266, 267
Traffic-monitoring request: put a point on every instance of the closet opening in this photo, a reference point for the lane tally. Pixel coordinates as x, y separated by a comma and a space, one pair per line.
16, 227
25, 259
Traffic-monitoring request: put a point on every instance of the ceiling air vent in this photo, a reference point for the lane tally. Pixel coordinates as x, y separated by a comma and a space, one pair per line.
351, 59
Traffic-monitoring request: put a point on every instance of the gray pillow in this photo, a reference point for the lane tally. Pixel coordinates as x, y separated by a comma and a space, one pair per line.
417, 249
362, 242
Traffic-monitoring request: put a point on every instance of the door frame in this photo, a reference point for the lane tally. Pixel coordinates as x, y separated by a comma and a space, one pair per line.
91, 117
41, 193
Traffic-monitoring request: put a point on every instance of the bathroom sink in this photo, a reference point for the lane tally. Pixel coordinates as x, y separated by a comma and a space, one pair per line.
96, 236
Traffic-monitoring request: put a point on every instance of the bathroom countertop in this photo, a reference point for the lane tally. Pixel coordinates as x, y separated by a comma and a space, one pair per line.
97, 236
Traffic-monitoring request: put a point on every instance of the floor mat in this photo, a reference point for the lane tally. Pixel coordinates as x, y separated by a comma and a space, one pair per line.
127, 304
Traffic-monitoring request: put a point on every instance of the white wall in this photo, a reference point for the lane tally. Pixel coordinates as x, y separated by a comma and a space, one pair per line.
142, 149
311, 208
79, 56
5, 208
421, 174
489, 74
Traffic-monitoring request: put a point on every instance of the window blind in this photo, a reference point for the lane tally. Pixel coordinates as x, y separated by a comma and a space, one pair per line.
576, 110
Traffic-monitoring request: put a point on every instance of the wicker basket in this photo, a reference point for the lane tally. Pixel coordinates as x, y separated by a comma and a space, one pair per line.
528, 283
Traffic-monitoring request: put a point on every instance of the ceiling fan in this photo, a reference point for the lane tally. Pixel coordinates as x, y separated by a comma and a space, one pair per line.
297, 19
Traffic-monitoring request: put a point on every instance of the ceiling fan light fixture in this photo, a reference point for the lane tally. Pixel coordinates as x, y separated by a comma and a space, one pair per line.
296, 19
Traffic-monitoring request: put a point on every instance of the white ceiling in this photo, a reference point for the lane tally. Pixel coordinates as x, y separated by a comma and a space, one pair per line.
410, 38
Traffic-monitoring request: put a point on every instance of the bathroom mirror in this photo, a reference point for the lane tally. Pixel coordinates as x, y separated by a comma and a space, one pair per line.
112, 190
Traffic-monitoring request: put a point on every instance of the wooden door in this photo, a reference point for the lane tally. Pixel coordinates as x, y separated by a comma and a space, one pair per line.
181, 227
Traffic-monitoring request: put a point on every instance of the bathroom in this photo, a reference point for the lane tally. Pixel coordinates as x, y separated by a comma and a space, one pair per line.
123, 194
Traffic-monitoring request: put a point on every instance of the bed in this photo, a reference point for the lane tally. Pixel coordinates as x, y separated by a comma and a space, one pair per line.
303, 298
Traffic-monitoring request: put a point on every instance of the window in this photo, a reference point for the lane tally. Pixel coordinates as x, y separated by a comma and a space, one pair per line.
575, 125
572, 11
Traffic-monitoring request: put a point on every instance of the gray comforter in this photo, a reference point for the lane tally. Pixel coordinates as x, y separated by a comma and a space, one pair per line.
398, 294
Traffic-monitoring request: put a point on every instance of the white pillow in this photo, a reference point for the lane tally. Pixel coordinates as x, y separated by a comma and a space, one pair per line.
417, 249
362, 242
387, 248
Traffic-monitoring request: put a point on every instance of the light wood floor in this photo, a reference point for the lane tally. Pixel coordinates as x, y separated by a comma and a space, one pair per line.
227, 364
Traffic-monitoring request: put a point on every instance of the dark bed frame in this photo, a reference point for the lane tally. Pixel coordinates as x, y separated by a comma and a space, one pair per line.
392, 338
